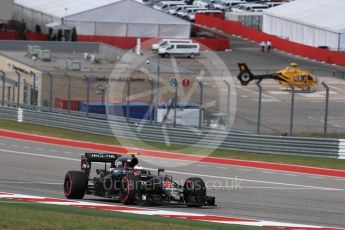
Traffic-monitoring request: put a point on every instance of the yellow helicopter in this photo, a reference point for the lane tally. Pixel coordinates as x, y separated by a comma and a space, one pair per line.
297, 78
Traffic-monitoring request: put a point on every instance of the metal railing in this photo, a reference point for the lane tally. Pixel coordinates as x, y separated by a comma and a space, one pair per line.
208, 138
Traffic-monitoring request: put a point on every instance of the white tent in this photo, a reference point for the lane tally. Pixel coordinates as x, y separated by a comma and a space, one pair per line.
310, 22
6, 10
122, 18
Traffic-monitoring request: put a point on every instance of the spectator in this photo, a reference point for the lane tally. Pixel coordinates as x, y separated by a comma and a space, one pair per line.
263, 46
269, 46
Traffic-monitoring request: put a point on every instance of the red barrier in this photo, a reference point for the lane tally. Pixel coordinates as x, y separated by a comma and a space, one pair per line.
9, 35
236, 28
36, 36
218, 44
121, 42
63, 104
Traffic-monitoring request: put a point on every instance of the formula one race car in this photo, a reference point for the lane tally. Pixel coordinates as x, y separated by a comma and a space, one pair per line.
124, 181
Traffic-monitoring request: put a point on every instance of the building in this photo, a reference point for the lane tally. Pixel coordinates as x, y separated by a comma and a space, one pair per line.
309, 22
111, 18
6, 10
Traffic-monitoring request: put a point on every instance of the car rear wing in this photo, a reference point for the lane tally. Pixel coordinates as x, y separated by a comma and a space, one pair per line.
101, 157
88, 158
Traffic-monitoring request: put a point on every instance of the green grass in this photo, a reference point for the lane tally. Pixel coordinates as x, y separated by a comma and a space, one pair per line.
74, 135
33, 216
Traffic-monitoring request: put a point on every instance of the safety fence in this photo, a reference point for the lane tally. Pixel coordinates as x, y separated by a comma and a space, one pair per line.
236, 28
208, 138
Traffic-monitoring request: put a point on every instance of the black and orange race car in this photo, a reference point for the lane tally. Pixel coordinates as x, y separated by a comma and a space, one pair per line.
122, 180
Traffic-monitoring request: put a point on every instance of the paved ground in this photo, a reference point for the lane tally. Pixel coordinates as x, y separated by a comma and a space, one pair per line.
38, 169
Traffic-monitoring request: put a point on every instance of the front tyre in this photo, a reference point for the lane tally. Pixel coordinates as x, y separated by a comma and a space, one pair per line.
75, 184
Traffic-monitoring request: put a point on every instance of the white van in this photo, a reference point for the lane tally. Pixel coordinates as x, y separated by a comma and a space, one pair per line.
189, 50
165, 42
165, 5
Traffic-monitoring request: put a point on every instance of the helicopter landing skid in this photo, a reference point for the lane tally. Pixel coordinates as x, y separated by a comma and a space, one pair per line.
300, 90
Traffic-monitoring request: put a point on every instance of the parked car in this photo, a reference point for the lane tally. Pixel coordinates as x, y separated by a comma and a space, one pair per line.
189, 50
185, 12
226, 5
164, 5
174, 10
272, 4
204, 3
249, 7
165, 42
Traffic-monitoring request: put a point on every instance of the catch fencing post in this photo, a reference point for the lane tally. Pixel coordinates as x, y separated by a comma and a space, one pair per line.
89, 80
326, 109
3, 87
128, 95
157, 89
151, 101
33, 98
201, 103
18, 88
292, 108
51, 92
68, 93
228, 105
175, 104
259, 107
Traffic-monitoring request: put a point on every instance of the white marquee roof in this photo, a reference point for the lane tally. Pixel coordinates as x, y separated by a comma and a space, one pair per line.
129, 11
327, 14
57, 7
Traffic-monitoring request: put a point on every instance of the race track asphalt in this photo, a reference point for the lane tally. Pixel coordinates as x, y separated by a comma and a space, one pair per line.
38, 169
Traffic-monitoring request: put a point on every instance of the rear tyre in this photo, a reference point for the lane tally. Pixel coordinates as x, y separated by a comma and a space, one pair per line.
194, 191
192, 55
130, 187
75, 184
